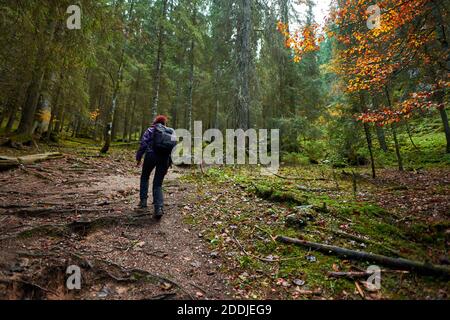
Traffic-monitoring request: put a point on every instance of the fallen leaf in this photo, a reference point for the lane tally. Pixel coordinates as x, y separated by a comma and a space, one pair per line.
166, 286
298, 282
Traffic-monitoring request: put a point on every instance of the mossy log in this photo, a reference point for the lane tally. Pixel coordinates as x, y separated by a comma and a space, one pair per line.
282, 196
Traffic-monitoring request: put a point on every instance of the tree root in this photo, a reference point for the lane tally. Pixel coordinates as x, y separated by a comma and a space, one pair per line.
50, 211
129, 275
47, 282
80, 228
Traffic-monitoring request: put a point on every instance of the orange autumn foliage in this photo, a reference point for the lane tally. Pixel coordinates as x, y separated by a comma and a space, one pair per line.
416, 101
368, 58
302, 41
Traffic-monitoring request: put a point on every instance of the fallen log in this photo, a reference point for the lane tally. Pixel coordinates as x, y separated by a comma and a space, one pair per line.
39, 157
7, 163
361, 274
356, 238
400, 263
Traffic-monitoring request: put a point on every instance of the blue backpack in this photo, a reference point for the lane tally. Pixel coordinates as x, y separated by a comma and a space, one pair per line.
163, 139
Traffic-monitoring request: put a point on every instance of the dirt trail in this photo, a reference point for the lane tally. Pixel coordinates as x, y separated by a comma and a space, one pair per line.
78, 211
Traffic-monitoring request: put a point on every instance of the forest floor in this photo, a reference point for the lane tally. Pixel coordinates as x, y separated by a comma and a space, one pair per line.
217, 238
82, 211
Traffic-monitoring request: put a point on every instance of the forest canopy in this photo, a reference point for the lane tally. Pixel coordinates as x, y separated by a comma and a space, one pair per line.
371, 71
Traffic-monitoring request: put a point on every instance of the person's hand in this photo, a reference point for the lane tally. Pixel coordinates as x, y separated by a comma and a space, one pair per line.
138, 163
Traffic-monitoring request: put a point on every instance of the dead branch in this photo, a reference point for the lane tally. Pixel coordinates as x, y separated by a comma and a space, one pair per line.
249, 254
300, 179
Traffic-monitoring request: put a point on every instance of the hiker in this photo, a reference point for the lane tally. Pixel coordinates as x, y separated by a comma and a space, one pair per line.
157, 144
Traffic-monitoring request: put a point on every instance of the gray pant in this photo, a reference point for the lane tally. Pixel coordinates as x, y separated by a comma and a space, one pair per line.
161, 163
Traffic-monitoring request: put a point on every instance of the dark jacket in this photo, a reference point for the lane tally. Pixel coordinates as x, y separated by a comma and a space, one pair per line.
146, 143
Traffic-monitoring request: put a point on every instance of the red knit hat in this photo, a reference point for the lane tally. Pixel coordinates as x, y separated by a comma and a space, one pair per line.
160, 119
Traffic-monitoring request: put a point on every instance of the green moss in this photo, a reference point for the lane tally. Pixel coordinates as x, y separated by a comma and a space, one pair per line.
339, 211
432, 234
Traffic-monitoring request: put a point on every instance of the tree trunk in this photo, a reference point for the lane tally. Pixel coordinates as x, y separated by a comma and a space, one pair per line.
101, 98
133, 107
175, 105
158, 62
369, 145
10, 111
381, 138
394, 134
397, 147
283, 66
444, 118
379, 130
115, 125
368, 135
3, 115
11, 120
30, 104
59, 125
131, 121
117, 83
44, 108
34, 88
144, 122
189, 119
191, 88
108, 128
408, 130
441, 27
126, 118
217, 107
55, 108
244, 65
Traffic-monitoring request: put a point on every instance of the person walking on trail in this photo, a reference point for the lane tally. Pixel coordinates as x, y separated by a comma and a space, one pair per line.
156, 145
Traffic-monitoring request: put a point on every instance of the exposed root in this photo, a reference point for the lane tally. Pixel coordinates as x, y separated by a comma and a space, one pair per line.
81, 228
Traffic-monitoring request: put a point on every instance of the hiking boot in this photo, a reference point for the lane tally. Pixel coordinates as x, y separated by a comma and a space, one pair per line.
159, 212
142, 204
